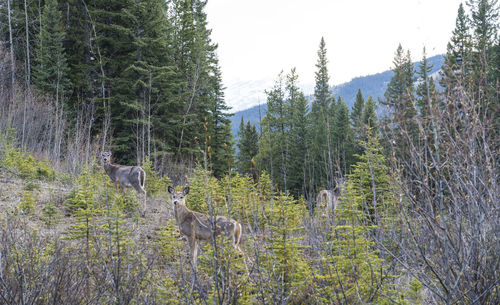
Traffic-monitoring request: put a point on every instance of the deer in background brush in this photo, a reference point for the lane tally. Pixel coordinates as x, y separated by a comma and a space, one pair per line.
331, 197
197, 226
125, 176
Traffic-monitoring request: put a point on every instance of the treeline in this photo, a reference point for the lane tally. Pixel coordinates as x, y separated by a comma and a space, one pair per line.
304, 147
140, 77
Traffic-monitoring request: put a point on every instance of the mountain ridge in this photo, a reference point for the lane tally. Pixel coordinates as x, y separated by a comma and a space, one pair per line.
371, 85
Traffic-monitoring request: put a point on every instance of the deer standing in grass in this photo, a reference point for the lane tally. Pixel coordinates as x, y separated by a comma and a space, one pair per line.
125, 176
197, 226
331, 197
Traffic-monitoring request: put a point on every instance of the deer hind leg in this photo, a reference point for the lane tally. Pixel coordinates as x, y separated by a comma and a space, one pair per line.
237, 236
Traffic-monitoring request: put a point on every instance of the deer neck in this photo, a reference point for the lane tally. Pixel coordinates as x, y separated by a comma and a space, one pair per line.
181, 211
108, 167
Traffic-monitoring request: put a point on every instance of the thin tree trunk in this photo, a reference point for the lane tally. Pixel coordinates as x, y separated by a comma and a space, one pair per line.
149, 115
27, 96
12, 61
28, 67
12, 64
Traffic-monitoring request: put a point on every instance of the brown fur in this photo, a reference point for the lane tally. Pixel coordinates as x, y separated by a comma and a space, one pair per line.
125, 176
197, 226
330, 198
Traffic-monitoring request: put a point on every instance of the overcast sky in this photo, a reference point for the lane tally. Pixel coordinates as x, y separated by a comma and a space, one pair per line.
259, 38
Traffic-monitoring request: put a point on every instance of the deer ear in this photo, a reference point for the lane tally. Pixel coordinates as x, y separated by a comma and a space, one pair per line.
186, 190
170, 189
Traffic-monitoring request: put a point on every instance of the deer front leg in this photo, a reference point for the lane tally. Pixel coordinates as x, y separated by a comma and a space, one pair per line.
193, 246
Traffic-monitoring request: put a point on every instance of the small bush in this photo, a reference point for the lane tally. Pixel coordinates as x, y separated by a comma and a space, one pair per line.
154, 183
26, 166
50, 215
27, 204
31, 186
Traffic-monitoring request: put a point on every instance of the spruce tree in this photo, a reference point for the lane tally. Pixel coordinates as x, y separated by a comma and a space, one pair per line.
273, 149
399, 97
458, 59
50, 72
321, 146
357, 110
298, 140
426, 89
247, 146
369, 119
356, 121
155, 79
485, 24
219, 127
343, 139
51, 69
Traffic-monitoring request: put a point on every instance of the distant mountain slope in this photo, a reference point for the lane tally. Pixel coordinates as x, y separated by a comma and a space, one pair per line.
374, 85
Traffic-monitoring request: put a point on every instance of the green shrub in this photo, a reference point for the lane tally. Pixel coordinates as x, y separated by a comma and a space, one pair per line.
31, 186
26, 166
27, 204
50, 215
84, 194
154, 183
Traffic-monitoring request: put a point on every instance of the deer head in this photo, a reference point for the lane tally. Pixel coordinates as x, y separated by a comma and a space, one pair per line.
106, 157
339, 186
178, 197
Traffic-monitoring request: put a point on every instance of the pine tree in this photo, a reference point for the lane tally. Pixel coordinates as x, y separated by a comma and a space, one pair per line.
283, 145
321, 146
485, 24
298, 140
349, 259
426, 89
155, 79
458, 60
356, 121
357, 110
50, 73
273, 147
247, 146
343, 138
369, 119
400, 99
219, 128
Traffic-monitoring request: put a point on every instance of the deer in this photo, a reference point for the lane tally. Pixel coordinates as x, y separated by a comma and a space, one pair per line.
331, 197
198, 227
125, 176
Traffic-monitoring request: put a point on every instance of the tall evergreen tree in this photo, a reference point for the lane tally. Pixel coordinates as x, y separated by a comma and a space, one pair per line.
111, 56
356, 121
369, 119
485, 24
219, 128
51, 69
322, 137
343, 139
426, 89
155, 79
298, 140
458, 60
247, 146
273, 149
399, 97
50, 72
357, 110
